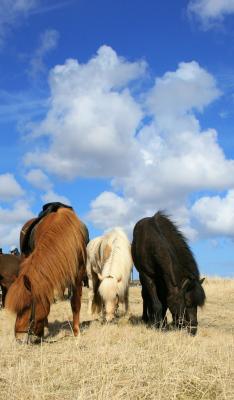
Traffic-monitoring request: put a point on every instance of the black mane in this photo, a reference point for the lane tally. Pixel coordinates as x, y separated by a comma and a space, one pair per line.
178, 244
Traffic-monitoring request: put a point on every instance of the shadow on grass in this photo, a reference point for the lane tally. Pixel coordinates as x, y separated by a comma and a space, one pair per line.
56, 327
169, 327
136, 320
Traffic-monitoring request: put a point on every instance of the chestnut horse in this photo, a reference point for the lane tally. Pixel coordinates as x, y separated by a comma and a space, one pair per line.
57, 259
9, 270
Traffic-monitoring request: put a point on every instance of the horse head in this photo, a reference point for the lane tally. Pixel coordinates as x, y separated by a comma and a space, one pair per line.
184, 302
108, 290
31, 314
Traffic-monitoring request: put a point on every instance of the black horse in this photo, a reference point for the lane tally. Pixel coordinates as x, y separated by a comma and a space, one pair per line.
168, 272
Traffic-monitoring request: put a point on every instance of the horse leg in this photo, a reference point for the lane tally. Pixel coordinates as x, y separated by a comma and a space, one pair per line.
145, 317
90, 296
4, 293
76, 304
126, 302
69, 291
154, 305
164, 318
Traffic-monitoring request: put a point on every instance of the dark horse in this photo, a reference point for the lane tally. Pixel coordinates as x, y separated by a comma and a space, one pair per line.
57, 258
9, 270
168, 272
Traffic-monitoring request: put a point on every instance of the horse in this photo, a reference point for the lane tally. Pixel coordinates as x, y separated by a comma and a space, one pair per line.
57, 258
26, 238
9, 270
109, 265
168, 273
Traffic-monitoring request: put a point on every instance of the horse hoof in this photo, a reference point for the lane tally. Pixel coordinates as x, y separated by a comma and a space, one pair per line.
76, 331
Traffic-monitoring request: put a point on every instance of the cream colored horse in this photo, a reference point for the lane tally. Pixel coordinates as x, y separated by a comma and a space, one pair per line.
109, 265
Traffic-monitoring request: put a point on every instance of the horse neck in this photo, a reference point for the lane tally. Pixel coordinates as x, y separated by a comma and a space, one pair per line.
110, 265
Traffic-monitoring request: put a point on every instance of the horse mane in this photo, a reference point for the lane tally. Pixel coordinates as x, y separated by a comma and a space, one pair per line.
56, 261
182, 255
178, 244
118, 264
198, 296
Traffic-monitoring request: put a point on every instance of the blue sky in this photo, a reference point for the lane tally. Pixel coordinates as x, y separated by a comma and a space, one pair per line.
120, 109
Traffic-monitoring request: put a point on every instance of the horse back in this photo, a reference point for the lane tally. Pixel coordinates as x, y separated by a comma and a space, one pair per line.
160, 248
150, 252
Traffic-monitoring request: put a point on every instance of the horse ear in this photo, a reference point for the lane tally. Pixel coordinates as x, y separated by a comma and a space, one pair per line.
27, 283
185, 285
201, 281
100, 277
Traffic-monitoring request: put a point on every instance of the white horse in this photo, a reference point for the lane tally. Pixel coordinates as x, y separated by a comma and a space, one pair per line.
109, 264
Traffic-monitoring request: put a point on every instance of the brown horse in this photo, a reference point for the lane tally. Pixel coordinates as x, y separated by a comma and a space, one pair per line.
29, 238
9, 270
57, 259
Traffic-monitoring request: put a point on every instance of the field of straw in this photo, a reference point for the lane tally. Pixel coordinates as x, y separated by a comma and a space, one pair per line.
125, 360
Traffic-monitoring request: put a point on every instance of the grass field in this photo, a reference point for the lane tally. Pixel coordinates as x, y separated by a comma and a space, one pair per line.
125, 360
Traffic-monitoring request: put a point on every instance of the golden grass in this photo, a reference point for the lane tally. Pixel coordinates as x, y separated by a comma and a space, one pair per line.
125, 360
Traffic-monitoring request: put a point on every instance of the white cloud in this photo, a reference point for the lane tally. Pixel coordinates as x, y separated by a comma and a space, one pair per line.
51, 196
11, 221
48, 42
210, 11
179, 92
96, 128
12, 11
175, 157
109, 210
92, 119
9, 187
38, 179
215, 214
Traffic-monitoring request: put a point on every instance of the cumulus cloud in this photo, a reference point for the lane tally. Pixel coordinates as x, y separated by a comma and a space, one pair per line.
175, 157
178, 93
51, 196
210, 11
11, 221
37, 178
215, 214
154, 150
48, 42
12, 11
109, 210
9, 187
92, 118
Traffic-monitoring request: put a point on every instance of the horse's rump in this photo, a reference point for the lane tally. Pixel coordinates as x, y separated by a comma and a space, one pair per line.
9, 268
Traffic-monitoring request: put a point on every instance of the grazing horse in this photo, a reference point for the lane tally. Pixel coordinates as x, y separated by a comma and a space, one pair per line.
57, 258
168, 272
26, 240
9, 270
109, 265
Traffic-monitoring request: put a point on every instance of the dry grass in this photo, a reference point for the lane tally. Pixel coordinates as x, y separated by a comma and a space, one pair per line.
124, 360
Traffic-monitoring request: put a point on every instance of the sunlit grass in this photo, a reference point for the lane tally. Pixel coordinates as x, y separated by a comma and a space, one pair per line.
125, 360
